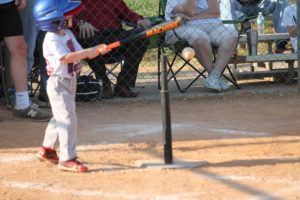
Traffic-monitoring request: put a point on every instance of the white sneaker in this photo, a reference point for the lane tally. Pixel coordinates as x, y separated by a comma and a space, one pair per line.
224, 86
212, 82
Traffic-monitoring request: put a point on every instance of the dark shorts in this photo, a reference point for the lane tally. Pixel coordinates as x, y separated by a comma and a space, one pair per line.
10, 21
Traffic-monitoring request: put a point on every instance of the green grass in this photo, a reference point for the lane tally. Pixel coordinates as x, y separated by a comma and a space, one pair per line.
143, 7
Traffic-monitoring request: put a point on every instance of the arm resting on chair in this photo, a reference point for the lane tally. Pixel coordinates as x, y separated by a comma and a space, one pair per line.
189, 9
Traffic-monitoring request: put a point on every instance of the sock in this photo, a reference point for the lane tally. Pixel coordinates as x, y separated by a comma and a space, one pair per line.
215, 73
49, 150
22, 100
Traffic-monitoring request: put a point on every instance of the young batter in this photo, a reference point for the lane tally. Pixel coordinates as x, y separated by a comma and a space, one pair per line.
63, 54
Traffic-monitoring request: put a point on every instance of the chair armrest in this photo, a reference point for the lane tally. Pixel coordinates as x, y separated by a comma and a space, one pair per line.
154, 20
238, 21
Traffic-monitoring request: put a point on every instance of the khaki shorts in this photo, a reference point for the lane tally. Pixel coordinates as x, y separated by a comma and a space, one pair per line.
214, 33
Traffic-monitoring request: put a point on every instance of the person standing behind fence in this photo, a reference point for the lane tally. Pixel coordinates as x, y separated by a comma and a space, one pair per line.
289, 20
30, 32
33, 39
12, 32
101, 22
202, 30
239, 9
63, 55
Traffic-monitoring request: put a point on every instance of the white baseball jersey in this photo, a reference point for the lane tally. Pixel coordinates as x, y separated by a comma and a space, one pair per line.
290, 19
56, 46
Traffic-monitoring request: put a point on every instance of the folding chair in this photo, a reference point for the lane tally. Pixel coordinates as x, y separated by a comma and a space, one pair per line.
116, 61
177, 49
5, 76
33, 78
3, 88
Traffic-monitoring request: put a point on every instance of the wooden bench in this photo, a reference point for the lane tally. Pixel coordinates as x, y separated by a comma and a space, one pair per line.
267, 38
270, 57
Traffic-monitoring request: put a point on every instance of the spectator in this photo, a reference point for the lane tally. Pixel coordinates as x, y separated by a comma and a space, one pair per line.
12, 32
239, 9
31, 35
102, 23
203, 30
63, 55
30, 32
289, 20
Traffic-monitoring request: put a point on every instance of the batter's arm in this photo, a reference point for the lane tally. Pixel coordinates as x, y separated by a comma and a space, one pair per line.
84, 53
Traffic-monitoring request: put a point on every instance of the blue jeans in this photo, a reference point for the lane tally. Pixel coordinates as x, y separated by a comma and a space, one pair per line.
30, 32
233, 9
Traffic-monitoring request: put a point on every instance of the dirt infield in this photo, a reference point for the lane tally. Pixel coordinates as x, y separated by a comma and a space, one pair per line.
251, 143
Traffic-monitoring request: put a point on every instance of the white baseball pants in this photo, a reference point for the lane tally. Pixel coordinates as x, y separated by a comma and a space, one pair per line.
62, 128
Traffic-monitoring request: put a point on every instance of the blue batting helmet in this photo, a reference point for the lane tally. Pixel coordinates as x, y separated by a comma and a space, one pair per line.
50, 14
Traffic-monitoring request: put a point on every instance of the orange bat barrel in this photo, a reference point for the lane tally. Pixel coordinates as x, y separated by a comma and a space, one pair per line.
161, 28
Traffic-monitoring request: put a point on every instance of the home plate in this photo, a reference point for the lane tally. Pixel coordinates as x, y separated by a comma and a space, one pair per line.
177, 164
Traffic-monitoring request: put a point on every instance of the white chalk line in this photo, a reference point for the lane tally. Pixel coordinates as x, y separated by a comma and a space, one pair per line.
257, 179
17, 158
30, 157
185, 196
293, 190
132, 130
239, 156
293, 185
49, 188
237, 132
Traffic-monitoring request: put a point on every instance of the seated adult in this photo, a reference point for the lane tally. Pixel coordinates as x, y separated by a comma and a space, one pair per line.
239, 9
289, 20
203, 30
101, 22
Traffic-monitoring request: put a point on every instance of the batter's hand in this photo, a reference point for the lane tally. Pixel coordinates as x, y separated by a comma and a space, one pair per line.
102, 48
86, 30
145, 23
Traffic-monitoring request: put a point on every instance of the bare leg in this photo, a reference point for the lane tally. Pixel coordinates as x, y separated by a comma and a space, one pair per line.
18, 67
224, 53
204, 55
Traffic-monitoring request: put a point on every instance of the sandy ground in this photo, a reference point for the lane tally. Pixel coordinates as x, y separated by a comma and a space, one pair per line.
250, 143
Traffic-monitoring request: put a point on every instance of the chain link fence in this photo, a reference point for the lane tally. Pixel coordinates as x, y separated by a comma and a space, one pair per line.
270, 59
255, 60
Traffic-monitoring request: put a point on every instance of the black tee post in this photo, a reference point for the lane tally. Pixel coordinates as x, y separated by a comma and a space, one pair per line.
166, 117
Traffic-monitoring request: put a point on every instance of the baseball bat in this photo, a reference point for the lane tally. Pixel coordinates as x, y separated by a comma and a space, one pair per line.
155, 30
